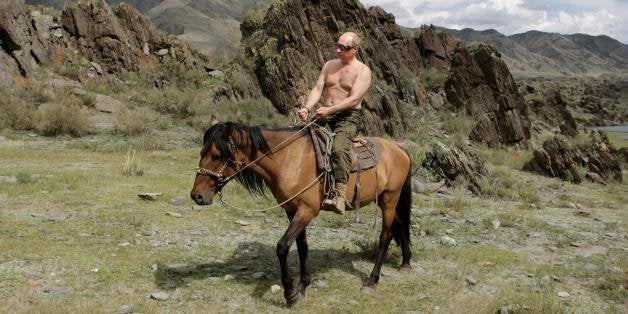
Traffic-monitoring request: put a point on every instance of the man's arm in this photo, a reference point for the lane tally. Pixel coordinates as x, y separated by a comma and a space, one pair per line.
359, 89
317, 91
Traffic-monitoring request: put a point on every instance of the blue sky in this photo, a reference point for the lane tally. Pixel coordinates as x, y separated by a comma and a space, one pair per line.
593, 17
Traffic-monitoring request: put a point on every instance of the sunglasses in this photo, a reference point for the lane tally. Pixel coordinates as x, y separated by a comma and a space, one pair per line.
343, 47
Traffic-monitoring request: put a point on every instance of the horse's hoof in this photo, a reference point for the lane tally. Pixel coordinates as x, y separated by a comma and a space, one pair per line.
294, 297
405, 268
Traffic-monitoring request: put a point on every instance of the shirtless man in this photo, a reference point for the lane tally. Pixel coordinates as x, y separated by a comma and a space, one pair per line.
344, 81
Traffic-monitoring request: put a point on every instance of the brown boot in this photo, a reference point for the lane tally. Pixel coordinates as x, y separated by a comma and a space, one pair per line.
337, 204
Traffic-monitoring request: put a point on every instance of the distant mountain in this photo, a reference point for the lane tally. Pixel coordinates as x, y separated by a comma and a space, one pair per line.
211, 26
535, 53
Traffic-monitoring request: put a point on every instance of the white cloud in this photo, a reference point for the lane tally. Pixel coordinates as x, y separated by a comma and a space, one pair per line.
608, 17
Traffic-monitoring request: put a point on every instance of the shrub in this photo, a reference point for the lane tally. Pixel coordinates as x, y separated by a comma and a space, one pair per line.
432, 78
15, 113
135, 121
58, 118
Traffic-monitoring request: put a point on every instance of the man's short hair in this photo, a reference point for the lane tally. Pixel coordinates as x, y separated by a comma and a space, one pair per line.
355, 40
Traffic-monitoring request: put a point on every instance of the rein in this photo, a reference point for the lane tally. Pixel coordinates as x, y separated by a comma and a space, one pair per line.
222, 180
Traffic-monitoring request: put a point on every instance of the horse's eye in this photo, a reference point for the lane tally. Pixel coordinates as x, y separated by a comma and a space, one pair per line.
215, 157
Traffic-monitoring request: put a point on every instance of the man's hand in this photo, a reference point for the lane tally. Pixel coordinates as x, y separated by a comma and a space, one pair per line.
303, 114
323, 112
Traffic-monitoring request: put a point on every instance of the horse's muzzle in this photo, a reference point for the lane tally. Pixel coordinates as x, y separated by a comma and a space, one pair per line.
202, 198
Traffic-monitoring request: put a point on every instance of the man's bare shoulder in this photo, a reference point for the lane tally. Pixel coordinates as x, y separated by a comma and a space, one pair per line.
363, 67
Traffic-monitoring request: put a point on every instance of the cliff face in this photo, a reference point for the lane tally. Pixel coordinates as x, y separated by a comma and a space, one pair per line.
287, 47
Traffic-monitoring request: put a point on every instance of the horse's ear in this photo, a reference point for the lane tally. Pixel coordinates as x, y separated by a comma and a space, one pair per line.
213, 121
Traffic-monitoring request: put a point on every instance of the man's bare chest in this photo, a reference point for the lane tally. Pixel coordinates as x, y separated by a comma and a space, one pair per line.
342, 78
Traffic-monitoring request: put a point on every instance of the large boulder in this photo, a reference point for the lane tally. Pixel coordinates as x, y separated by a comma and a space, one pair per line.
556, 158
456, 165
481, 84
600, 158
20, 39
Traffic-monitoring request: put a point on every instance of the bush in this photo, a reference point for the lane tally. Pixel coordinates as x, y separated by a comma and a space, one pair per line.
135, 122
432, 78
251, 112
14, 113
59, 118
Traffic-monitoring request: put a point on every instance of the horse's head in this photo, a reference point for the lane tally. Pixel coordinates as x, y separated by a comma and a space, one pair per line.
218, 163
227, 148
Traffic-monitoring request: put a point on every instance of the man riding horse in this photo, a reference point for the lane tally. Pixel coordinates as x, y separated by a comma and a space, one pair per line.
344, 81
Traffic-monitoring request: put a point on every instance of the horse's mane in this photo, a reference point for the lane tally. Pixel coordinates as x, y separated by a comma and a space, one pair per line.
216, 135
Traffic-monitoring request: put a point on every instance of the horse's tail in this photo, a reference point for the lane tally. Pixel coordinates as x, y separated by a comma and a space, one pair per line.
401, 226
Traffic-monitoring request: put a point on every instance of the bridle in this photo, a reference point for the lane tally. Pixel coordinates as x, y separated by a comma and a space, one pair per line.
219, 175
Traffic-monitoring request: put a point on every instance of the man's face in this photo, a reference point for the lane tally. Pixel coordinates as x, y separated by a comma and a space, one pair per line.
344, 47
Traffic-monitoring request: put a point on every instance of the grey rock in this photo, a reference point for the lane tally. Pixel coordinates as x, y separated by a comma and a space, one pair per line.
149, 196
159, 296
96, 67
242, 222
146, 49
504, 309
496, 223
563, 294
154, 267
353, 302
448, 241
178, 201
554, 278
258, 275
275, 288
125, 309
180, 268
228, 277
321, 284
216, 74
174, 214
471, 281
197, 208
417, 186
162, 52
590, 267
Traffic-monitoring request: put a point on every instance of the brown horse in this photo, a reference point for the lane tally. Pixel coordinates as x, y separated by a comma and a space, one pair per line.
289, 170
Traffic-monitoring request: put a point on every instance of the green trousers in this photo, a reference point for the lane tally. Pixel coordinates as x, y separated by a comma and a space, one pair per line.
346, 125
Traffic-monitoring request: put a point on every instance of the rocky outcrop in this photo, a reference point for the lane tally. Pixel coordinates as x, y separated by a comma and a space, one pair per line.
552, 108
555, 159
600, 157
103, 37
437, 47
456, 165
287, 47
558, 159
120, 40
481, 84
24, 39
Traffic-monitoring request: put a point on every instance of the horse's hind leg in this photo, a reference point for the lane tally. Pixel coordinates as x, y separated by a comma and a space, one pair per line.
305, 275
388, 201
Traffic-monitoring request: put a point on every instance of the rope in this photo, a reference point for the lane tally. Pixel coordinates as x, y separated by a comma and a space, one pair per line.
224, 204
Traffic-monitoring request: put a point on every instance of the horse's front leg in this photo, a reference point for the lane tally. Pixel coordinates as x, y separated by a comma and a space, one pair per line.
297, 226
305, 275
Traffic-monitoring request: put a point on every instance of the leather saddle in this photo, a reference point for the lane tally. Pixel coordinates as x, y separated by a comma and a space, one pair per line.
364, 155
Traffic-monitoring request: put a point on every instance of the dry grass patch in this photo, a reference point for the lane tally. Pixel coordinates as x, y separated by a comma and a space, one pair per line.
133, 122
132, 166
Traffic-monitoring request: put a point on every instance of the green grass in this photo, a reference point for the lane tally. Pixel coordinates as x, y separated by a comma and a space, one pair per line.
74, 211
